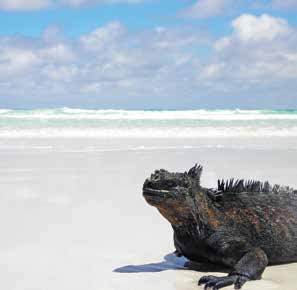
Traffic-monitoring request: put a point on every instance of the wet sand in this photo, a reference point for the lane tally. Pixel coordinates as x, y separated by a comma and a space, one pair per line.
72, 215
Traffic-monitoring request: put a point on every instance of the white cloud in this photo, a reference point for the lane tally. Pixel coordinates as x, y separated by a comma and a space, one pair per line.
259, 32
156, 67
57, 52
210, 8
284, 4
27, 5
200, 9
16, 61
11, 5
107, 62
261, 50
252, 28
94, 2
61, 72
103, 36
203, 9
52, 34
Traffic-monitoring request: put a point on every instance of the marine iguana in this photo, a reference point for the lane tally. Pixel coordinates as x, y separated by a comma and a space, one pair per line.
244, 225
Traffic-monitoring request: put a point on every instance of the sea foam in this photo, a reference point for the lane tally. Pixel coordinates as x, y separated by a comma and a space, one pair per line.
84, 123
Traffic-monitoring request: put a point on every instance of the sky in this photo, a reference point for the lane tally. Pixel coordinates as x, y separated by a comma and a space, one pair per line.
148, 54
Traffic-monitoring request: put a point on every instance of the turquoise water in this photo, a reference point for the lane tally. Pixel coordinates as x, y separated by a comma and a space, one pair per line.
68, 122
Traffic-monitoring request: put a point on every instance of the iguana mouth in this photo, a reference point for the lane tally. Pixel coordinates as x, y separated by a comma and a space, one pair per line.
156, 196
154, 192
153, 196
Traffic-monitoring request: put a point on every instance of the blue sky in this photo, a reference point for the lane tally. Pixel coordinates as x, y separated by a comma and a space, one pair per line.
148, 54
75, 21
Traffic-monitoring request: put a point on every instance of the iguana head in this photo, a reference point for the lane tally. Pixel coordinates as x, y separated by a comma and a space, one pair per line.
172, 193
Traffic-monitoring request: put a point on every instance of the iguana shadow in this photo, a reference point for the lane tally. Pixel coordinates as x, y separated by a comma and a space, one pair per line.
171, 262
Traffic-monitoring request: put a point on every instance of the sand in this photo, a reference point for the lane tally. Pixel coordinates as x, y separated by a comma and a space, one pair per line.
72, 216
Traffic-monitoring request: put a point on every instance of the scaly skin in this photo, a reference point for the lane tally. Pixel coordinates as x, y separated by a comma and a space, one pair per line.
242, 225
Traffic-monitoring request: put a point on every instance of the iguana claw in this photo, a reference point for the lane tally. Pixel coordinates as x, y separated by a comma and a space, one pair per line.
214, 283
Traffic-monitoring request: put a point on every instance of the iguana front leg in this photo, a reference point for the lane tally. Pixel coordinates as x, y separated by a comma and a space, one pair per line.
249, 267
177, 253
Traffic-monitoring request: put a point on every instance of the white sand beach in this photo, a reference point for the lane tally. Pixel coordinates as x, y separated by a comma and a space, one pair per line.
73, 217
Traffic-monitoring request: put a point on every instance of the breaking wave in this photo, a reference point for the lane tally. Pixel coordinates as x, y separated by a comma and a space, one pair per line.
75, 122
72, 113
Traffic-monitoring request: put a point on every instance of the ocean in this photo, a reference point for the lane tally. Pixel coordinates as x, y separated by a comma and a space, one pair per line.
69, 123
